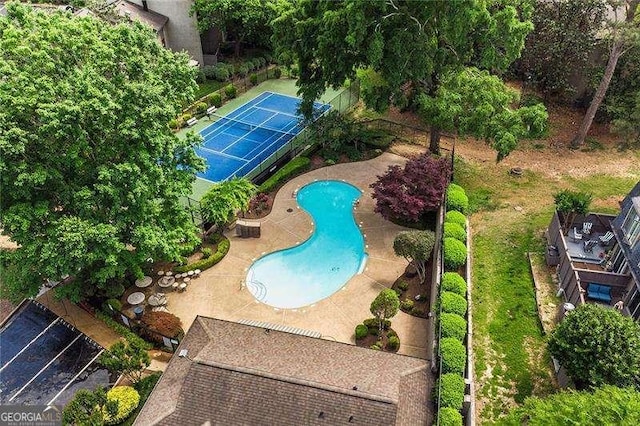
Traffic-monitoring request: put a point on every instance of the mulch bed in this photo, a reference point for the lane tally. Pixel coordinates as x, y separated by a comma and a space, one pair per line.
421, 306
372, 339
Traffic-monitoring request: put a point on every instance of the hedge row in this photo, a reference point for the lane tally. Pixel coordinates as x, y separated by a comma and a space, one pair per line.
292, 168
453, 355
453, 325
223, 249
450, 389
453, 303
122, 330
453, 282
454, 230
455, 254
457, 199
456, 217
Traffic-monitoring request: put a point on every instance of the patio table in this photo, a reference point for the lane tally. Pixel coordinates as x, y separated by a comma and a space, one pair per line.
144, 282
157, 300
136, 298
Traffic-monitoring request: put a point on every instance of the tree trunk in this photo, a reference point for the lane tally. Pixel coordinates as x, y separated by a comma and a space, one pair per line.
616, 52
434, 141
236, 48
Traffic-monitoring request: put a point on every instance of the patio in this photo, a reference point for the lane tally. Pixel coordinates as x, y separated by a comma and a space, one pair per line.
220, 292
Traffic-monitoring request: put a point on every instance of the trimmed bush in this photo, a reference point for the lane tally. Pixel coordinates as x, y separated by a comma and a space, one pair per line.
230, 91
253, 79
185, 117
209, 71
453, 303
455, 187
455, 254
448, 416
127, 398
453, 281
277, 72
173, 124
201, 107
453, 230
292, 168
122, 330
375, 347
393, 343
361, 331
456, 217
453, 325
457, 200
221, 73
406, 305
215, 99
372, 323
112, 304
453, 355
223, 249
403, 285
242, 70
450, 387
206, 252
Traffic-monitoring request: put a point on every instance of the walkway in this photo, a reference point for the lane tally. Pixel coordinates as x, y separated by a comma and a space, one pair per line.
219, 293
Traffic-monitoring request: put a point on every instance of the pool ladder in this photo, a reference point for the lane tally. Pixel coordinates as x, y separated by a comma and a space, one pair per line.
258, 289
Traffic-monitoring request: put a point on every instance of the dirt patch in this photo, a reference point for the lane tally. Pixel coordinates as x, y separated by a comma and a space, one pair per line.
408, 287
381, 341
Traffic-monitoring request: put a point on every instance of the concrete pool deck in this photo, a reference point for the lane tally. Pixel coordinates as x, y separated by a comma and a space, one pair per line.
219, 292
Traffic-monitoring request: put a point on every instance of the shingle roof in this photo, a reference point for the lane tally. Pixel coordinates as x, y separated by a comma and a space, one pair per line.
137, 12
238, 374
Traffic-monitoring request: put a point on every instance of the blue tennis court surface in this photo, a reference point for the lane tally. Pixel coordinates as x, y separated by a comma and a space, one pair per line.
240, 141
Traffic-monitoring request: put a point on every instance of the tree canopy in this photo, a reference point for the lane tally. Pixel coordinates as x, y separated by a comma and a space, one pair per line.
598, 346
91, 174
607, 405
416, 247
571, 203
385, 306
407, 48
224, 199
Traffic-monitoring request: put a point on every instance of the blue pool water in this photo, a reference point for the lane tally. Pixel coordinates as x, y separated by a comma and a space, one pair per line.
314, 270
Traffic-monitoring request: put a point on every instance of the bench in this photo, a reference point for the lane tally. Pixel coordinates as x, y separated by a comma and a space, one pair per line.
211, 110
192, 121
599, 292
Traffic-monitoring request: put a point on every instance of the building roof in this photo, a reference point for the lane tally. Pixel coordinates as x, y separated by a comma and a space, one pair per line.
137, 13
241, 374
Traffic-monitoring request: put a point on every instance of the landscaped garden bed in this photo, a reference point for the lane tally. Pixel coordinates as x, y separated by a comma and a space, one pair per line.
413, 294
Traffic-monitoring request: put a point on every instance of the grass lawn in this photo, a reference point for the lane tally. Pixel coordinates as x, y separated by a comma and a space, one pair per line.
509, 215
207, 87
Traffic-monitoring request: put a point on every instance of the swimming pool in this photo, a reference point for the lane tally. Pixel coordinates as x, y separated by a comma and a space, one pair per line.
314, 270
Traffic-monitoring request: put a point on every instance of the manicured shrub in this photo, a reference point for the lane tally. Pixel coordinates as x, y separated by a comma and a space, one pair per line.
453, 355
200, 77
223, 249
403, 285
201, 107
455, 187
292, 168
457, 200
127, 398
453, 230
206, 252
122, 330
407, 305
372, 323
215, 99
455, 254
456, 217
361, 331
112, 304
453, 303
173, 124
242, 70
448, 416
375, 347
185, 117
253, 79
230, 91
453, 325
453, 281
450, 389
209, 71
221, 73
393, 343
277, 72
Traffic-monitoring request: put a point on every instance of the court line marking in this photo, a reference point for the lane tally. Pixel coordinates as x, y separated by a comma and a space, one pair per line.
224, 155
243, 136
29, 344
75, 377
45, 367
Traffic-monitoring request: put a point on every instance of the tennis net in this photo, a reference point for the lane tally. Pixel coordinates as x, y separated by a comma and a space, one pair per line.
246, 126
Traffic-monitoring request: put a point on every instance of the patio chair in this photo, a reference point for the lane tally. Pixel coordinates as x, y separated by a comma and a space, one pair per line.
577, 236
606, 238
586, 228
589, 245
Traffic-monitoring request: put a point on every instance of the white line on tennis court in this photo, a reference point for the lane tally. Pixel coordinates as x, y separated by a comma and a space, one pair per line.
75, 377
45, 367
203, 131
224, 155
246, 134
29, 344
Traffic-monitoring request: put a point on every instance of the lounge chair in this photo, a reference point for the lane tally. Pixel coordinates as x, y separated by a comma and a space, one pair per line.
606, 238
577, 236
586, 228
589, 245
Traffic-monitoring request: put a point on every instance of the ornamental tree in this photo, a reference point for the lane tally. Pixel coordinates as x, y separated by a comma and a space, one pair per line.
607, 405
416, 247
598, 346
89, 408
92, 175
407, 48
406, 194
385, 306
129, 358
224, 199
571, 204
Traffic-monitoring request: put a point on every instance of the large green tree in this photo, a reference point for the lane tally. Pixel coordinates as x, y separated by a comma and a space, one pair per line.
411, 46
91, 174
598, 346
224, 199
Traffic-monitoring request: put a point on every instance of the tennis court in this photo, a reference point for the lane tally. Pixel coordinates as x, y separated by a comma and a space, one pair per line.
237, 143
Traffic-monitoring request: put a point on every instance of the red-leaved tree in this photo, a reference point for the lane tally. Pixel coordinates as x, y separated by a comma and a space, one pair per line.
407, 194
